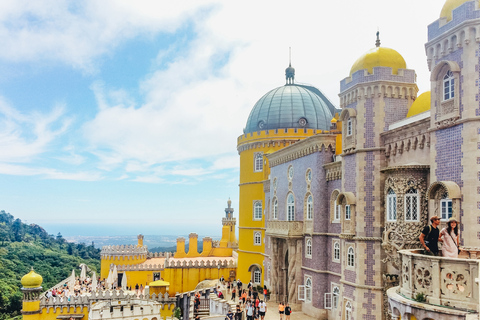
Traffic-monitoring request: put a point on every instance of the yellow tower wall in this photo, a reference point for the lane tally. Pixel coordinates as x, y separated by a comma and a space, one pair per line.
106, 261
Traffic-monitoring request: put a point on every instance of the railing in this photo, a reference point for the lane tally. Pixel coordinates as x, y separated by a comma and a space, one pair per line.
285, 228
442, 281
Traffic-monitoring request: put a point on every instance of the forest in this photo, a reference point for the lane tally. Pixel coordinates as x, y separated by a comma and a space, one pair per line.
23, 246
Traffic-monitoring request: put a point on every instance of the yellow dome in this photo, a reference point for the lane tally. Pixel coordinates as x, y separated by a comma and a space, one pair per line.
32, 280
449, 6
379, 57
421, 104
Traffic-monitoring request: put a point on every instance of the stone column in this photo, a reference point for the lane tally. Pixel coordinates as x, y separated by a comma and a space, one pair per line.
292, 283
274, 275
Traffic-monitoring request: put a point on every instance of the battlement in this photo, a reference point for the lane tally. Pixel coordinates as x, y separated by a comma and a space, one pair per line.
404, 76
467, 11
278, 134
123, 250
179, 263
160, 255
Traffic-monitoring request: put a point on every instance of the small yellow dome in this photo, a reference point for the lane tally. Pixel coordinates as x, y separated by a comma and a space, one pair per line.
421, 104
333, 120
449, 6
379, 57
32, 280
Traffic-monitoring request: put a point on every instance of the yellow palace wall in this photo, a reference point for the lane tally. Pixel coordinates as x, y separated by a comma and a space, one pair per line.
118, 261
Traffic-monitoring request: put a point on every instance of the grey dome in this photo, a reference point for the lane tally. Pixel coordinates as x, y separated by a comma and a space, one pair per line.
291, 106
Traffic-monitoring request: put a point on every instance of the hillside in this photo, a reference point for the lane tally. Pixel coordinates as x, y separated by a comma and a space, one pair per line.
24, 246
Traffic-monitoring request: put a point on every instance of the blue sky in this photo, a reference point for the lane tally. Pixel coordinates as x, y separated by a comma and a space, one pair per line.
121, 117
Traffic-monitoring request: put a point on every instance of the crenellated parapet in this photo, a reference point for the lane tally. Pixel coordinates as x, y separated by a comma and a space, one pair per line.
109, 252
165, 255
141, 267
173, 263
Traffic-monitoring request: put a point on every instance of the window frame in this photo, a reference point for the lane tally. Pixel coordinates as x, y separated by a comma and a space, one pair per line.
275, 208
335, 296
391, 205
290, 207
349, 128
444, 216
336, 251
310, 207
351, 257
257, 210
256, 273
308, 247
348, 212
448, 86
409, 205
308, 289
258, 162
348, 310
257, 238
337, 214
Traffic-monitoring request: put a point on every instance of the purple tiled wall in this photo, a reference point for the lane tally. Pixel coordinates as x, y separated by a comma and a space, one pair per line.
350, 173
464, 12
379, 74
395, 110
369, 126
449, 154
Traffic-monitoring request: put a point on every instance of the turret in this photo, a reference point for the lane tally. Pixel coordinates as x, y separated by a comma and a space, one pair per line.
193, 245
140, 240
31, 289
180, 253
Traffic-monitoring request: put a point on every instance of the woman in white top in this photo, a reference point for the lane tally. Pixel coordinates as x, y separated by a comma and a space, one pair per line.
450, 238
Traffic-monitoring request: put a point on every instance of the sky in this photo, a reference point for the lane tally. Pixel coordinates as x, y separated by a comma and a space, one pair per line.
121, 117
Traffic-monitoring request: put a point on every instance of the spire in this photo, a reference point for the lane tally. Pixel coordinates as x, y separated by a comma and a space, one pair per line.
377, 43
290, 72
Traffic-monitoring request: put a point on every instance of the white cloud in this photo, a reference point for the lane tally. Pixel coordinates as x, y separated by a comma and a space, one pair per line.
47, 173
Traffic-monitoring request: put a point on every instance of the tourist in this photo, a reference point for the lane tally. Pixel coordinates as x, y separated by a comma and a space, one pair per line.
429, 237
244, 296
449, 237
288, 312
249, 309
262, 309
281, 310
238, 313
265, 292
229, 315
233, 294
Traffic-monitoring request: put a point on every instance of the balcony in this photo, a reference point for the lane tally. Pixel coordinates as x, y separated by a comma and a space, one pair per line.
444, 286
284, 229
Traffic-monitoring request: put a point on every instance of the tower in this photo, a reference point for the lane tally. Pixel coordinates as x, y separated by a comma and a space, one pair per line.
280, 118
228, 230
31, 289
378, 92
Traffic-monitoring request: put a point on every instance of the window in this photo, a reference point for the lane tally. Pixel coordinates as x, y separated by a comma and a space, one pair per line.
347, 212
257, 238
275, 209
448, 86
336, 251
348, 310
290, 207
258, 162
290, 172
349, 127
257, 276
336, 211
309, 175
336, 297
351, 257
308, 289
411, 205
257, 210
446, 209
310, 207
327, 300
391, 205
308, 247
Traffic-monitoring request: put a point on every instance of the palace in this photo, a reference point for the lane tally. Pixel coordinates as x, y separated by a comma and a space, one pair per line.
333, 200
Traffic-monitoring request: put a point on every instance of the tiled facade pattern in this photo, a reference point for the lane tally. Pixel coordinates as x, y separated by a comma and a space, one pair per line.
369, 198
395, 110
371, 308
350, 173
379, 74
369, 126
449, 154
464, 12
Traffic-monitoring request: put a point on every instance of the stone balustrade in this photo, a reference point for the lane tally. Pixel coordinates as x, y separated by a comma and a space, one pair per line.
220, 306
123, 250
173, 263
285, 229
443, 281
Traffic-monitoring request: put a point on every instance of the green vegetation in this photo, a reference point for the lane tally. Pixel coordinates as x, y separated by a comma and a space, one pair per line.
24, 246
420, 297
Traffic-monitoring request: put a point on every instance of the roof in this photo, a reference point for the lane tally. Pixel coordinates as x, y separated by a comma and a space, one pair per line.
159, 283
379, 57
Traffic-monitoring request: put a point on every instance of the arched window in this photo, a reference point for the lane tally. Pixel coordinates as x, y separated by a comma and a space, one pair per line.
348, 214
348, 310
308, 290
308, 247
290, 207
257, 238
337, 211
275, 209
349, 127
448, 86
310, 207
391, 205
257, 210
336, 296
445, 207
256, 275
336, 251
258, 162
351, 257
412, 203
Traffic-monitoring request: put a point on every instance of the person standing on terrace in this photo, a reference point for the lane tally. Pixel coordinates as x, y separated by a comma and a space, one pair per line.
429, 237
449, 236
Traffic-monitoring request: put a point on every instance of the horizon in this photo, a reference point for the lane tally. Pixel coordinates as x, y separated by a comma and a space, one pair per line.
117, 117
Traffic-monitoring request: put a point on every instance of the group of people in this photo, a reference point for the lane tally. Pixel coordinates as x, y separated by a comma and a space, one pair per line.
80, 287
254, 309
449, 236
284, 309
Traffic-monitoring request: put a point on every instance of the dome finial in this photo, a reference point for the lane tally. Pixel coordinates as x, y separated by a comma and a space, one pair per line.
377, 43
290, 72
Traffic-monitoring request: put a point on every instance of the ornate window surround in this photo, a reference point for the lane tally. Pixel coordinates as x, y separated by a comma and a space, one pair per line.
309, 207
257, 210
257, 238
275, 208
308, 248
444, 190
290, 207
350, 257
391, 205
348, 116
336, 251
334, 207
447, 112
258, 162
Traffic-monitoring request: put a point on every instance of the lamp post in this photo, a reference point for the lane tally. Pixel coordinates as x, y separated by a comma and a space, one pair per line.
218, 274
